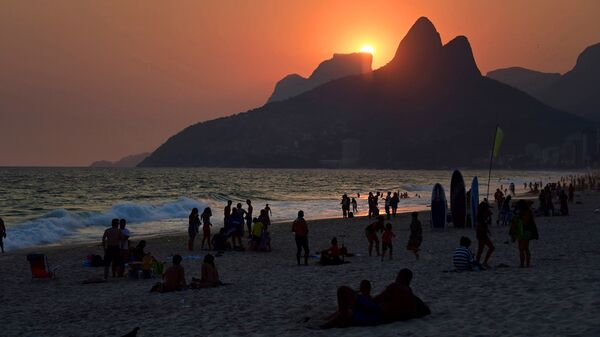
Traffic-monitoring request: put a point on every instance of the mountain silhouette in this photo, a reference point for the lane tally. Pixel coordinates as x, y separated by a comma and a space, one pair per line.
341, 65
128, 161
532, 82
577, 91
429, 107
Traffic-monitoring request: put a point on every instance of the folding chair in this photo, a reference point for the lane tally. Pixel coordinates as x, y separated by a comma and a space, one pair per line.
39, 267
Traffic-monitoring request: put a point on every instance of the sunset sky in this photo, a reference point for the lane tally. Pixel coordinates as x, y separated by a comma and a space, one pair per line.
87, 80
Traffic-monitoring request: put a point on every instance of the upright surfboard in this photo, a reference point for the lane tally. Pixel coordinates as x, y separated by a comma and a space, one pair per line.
458, 200
474, 200
439, 207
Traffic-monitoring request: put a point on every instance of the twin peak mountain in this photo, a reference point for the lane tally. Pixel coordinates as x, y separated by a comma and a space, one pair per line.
429, 107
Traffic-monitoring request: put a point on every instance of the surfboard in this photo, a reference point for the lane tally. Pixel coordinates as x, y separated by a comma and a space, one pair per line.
439, 207
458, 200
474, 200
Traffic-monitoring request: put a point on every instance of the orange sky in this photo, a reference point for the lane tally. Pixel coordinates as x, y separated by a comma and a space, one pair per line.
88, 80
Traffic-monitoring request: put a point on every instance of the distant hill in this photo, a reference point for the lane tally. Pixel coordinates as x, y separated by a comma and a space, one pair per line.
577, 91
341, 65
429, 107
128, 161
532, 82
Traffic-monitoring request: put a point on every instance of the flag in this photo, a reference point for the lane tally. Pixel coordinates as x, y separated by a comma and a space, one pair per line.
497, 141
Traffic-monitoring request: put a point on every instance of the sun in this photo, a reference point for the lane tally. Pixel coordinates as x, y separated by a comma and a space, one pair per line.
367, 48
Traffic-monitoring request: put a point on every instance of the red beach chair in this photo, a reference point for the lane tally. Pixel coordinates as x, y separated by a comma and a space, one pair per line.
39, 267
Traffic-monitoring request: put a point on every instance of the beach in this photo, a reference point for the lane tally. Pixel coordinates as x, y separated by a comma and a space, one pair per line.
268, 294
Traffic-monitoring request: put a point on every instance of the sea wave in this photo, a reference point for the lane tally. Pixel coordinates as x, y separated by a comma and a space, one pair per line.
56, 225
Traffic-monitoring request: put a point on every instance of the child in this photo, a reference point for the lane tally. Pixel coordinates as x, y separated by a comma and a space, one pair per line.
386, 240
206, 214
416, 235
354, 207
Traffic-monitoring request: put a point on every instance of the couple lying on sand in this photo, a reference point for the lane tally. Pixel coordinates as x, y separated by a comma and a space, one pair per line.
396, 303
174, 277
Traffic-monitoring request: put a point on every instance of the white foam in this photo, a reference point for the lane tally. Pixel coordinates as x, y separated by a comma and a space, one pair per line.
59, 224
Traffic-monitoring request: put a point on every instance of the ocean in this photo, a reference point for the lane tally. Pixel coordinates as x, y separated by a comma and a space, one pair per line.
50, 206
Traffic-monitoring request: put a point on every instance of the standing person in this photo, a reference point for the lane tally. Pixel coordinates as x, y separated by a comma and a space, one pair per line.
416, 235
227, 213
499, 198
249, 217
354, 207
300, 229
125, 234
268, 209
506, 213
387, 204
564, 203
193, 228
571, 193
111, 240
2, 234
523, 229
206, 225
242, 212
394, 201
345, 205
482, 231
371, 234
376, 204
264, 218
370, 202
236, 228
386, 240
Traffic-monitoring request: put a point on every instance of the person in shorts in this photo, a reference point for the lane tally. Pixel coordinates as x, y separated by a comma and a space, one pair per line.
111, 241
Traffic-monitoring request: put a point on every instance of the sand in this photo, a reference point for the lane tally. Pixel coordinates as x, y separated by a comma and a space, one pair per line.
269, 295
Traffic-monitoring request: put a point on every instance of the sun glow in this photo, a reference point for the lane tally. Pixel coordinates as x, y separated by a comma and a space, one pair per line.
367, 48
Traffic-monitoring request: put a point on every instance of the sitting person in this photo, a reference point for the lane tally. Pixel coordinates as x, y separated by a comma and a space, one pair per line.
332, 256
463, 257
354, 308
366, 310
396, 302
174, 278
219, 241
209, 277
138, 252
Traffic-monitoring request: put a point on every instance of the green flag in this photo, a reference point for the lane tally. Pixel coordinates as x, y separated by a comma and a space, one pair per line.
497, 141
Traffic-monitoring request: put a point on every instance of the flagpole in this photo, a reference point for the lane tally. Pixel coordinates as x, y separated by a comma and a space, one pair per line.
491, 160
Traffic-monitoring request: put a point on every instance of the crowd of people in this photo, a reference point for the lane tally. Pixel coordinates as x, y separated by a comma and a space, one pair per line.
397, 302
236, 221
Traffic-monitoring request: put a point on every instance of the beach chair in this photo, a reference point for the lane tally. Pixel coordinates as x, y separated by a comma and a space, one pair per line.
39, 267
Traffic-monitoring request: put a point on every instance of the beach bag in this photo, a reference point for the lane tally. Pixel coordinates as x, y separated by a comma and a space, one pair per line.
158, 268
350, 215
